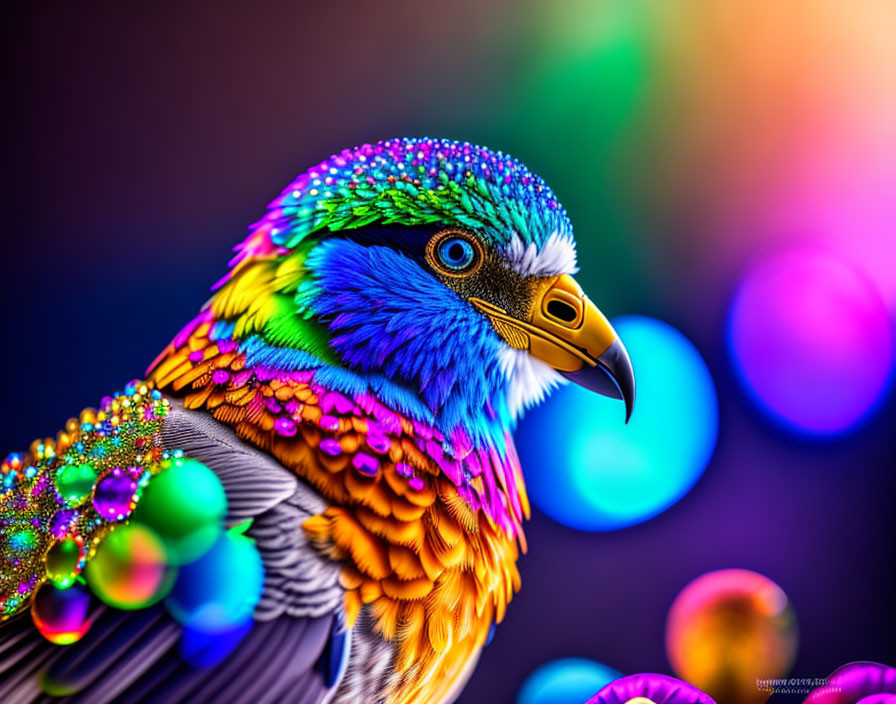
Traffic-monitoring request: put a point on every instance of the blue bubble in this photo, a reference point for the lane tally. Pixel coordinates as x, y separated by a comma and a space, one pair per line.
566, 681
205, 649
588, 470
218, 592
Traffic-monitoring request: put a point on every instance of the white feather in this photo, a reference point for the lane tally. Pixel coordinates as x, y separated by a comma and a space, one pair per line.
556, 256
529, 380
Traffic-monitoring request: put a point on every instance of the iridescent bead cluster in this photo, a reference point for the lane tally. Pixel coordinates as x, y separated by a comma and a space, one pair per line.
58, 500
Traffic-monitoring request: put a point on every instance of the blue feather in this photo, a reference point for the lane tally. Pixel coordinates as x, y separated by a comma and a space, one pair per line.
418, 345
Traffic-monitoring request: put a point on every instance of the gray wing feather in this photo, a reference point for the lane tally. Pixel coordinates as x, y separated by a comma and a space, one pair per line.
298, 581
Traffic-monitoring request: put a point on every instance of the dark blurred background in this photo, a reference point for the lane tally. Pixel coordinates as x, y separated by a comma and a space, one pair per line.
683, 138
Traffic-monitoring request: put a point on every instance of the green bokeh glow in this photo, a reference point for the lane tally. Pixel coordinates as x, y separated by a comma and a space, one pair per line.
185, 505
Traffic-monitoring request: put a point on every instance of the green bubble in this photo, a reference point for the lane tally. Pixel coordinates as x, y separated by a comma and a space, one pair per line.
62, 563
74, 482
185, 505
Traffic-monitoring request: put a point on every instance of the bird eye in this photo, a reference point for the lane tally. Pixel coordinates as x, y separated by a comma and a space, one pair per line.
454, 253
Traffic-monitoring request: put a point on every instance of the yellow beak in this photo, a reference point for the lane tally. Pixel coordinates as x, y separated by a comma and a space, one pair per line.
567, 331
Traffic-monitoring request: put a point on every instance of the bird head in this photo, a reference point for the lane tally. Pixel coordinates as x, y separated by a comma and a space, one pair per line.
435, 273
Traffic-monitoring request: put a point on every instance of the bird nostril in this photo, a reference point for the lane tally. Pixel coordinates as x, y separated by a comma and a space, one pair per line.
562, 311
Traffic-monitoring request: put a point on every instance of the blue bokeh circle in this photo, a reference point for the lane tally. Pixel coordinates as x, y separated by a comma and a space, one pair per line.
566, 681
588, 470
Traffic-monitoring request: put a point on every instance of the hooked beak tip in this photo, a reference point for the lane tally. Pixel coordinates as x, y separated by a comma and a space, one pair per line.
612, 376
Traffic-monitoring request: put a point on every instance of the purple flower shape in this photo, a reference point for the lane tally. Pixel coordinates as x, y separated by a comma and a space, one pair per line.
856, 681
659, 689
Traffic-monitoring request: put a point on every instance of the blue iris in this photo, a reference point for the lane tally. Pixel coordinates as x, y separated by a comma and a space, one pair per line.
456, 253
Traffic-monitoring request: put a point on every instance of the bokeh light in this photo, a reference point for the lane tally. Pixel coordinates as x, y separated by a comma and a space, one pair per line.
185, 506
565, 681
218, 592
606, 475
729, 628
812, 340
61, 615
203, 649
130, 569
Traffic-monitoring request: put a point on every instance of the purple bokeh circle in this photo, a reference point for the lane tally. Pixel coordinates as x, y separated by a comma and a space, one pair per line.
812, 340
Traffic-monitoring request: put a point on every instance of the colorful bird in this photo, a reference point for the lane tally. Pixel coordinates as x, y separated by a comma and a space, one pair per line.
314, 496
